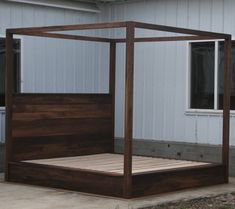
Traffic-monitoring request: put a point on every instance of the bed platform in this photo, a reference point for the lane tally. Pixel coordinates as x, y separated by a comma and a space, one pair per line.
113, 163
67, 140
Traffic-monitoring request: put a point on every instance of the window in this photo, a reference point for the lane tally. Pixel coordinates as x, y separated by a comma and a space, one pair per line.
202, 75
206, 75
16, 68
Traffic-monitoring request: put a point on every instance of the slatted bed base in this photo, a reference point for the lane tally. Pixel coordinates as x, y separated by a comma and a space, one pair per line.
113, 163
103, 174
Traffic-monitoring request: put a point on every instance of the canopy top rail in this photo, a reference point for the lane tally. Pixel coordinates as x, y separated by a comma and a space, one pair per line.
189, 34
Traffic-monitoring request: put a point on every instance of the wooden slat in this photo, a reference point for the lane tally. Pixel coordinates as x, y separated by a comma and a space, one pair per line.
68, 27
167, 38
50, 127
29, 148
114, 163
180, 30
69, 37
61, 99
30, 112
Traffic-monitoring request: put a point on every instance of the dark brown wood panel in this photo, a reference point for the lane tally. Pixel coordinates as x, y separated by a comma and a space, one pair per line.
24, 112
73, 179
61, 99
60, 146
60, 125
172, 180
110, 184
66, 126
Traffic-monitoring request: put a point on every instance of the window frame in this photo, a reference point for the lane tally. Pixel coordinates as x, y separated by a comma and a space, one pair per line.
21, 73
215, 110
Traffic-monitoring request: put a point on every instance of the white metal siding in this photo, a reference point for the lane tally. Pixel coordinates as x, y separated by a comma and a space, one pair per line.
53, 65
2, 126
160, 70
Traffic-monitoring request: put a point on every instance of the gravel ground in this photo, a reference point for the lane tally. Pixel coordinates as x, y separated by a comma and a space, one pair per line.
219, 202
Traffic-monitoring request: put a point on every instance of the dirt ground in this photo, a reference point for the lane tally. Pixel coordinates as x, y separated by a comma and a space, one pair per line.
219, 202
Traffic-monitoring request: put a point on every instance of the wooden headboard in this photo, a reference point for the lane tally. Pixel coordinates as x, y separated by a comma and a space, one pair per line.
60, 125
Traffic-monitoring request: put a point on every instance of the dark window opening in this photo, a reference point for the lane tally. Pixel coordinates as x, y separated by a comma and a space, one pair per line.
202, 75
16, 67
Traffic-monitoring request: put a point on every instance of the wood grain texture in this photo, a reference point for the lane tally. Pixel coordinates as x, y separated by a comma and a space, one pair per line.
29, 148
43, 125
176, 179
9, 92
73, 179
27, 98
110, 184
112, 83
226, 105
57, 125
128, 123
113, 163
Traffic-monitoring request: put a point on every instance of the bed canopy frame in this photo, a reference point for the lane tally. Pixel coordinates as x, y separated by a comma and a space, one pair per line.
60, 126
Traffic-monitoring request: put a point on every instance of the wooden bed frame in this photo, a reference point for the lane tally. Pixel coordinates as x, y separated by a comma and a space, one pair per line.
52, 126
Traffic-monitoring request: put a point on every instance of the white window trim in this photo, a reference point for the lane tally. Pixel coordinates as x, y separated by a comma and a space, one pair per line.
2, 108
191, 111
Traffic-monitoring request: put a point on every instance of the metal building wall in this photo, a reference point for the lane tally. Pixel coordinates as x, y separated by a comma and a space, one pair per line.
160, 70
52, 65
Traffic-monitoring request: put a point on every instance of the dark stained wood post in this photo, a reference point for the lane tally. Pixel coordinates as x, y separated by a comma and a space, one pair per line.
128, 125
226, 105
8, 96
112, 82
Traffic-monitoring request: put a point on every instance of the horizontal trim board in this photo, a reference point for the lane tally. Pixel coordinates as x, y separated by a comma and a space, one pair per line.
29, 148
119, 25
66, 126
89, 26
169, 38
61, 99
52, 176
68, 4
110, 184
30, 112
69, 37
156, 183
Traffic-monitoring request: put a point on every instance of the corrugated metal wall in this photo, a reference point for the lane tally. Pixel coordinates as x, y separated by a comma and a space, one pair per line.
160, 70
53, 65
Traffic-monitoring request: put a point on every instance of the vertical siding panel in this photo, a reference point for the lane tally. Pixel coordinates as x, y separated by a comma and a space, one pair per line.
232, 132
229, 16
159, 74
5, 17
2, 126
148, 72
27, 16
191, 122
181, 68
170, 73
214, 129
217, 19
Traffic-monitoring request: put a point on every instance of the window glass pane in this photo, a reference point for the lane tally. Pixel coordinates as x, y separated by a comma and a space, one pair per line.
202, 75
221, 76
16, 48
